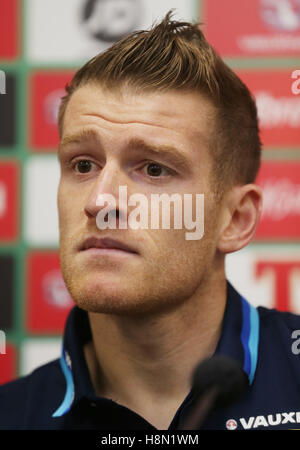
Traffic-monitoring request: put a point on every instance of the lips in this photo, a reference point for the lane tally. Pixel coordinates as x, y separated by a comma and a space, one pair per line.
106, 243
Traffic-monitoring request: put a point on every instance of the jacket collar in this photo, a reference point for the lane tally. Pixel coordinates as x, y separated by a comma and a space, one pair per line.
239, 340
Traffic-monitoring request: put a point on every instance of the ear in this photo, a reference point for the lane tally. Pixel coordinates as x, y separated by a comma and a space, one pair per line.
241, 213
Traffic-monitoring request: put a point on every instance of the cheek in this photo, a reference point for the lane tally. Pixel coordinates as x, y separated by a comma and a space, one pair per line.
172, 252
193, 246
70, 208
177, 266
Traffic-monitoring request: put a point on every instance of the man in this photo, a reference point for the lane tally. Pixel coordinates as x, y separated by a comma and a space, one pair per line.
157, 113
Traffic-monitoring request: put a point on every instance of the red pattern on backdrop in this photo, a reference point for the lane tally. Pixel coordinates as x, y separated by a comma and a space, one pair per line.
280, 182
48, 301
9, 200
253, 27
8, 364
46, 90
9, 27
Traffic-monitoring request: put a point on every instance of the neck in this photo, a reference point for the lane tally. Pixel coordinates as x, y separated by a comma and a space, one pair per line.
140, 361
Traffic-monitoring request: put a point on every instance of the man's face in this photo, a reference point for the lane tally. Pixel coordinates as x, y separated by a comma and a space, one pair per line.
150, 143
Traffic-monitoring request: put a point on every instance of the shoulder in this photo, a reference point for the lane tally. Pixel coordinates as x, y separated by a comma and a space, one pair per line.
278, 326
271, 318
32, 398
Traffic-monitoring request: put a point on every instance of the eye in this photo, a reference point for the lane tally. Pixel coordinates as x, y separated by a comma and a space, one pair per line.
83, 166
156, 170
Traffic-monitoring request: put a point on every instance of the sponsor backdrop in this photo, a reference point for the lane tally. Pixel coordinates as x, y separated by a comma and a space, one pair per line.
41, 45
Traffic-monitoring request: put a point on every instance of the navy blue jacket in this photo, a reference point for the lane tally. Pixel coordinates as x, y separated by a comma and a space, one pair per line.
60, 395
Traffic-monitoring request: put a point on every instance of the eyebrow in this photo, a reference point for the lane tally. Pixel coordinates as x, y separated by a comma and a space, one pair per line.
77, 138
168, 152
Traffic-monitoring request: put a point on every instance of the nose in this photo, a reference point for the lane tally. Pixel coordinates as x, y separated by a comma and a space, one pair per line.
105, 191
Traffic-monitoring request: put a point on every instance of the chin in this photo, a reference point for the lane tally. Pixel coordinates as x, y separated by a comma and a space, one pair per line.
106, 297
121, 301
125, 293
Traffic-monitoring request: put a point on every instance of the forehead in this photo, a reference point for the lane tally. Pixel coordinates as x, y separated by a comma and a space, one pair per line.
182, 118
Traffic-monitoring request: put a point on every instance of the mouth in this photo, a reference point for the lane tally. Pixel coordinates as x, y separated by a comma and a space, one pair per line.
106, 245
